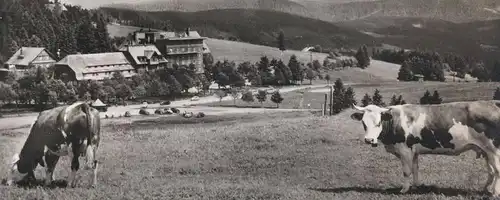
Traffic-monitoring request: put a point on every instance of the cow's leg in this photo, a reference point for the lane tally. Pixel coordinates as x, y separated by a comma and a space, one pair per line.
94, 174
75, 164
491, 176
407, 164
414, 170
51, 162
92, 163
494, 160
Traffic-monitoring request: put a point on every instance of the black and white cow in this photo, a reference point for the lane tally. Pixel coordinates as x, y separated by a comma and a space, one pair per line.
447, 129
72, 130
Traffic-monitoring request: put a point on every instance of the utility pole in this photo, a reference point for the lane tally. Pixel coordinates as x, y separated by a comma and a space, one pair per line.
311, 57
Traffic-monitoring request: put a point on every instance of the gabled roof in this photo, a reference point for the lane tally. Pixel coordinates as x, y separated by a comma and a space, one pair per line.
81, 63
52, 6
141, 50
171, 34
28, 55
98, 102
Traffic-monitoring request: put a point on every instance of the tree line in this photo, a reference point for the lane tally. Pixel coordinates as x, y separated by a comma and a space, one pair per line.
263, 73
432, 65
29, 23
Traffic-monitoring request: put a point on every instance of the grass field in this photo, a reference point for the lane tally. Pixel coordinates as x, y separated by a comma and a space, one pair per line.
266, 156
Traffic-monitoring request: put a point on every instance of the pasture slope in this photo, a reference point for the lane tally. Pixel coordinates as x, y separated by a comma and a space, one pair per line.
292, 155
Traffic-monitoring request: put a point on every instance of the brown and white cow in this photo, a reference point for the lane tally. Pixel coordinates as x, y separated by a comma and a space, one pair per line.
72, 130
447, 129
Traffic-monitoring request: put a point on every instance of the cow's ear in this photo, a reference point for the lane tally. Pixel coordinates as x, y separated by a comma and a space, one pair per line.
386, 116
357, 116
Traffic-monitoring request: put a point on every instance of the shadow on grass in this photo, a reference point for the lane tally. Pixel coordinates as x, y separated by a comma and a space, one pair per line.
420, 190
27, 184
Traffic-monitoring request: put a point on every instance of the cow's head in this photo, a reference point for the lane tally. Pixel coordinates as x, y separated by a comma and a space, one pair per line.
372, 117
14, 174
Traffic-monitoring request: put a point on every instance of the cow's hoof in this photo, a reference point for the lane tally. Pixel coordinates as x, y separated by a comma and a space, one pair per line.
487, 192
404, 190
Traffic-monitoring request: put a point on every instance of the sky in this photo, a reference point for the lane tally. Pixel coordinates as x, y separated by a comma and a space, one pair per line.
97, 3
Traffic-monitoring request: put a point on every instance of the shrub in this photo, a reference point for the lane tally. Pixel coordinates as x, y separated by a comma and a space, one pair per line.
247, 97
277, 98
175, 110
143, 112
261, 96
200, 115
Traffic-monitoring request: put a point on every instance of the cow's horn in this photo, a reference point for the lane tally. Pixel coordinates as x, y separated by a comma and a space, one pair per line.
358, 108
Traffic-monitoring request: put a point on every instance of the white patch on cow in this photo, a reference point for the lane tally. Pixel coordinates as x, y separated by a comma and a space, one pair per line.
419, 124
69, 108
403, 120
14, 174
459, 131
64, 150
63, 133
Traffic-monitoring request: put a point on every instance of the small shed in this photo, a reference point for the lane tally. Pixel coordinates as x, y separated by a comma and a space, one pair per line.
419, 77
97, 104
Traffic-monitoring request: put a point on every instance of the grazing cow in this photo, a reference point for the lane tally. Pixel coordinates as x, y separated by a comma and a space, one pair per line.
51, 136
447, 129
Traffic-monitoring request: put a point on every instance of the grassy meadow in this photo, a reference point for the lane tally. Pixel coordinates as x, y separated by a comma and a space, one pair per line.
291, 155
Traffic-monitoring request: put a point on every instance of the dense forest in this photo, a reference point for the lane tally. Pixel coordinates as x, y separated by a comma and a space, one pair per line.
30, 23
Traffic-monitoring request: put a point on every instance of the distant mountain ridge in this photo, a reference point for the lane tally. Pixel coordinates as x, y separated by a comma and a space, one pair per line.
339, 10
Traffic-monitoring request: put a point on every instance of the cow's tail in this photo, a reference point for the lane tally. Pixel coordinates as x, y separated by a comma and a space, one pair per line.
88, 114
90, 150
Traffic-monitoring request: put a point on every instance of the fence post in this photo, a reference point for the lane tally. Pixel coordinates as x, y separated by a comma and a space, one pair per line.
324, 104
331, 100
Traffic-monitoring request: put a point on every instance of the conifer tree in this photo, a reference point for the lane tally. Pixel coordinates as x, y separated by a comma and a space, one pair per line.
426, 99
378, 99
496, 95
436, 99
349, 98
367, 100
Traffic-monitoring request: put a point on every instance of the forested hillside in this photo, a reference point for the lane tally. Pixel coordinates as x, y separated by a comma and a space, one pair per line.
251, 26
29, 23
336, 10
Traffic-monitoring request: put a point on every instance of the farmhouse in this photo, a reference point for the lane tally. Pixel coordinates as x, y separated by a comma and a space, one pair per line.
181, 48
56, 7
27, 58
144, 57
97, 66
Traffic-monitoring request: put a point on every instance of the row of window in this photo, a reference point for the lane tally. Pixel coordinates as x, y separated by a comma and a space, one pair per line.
120, 65
43, 58
184, 49
108, 73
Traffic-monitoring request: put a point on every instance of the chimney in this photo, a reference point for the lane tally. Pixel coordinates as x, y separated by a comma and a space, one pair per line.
187, 31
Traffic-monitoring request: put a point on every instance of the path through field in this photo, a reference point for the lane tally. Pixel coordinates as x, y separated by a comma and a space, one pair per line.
26, 119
